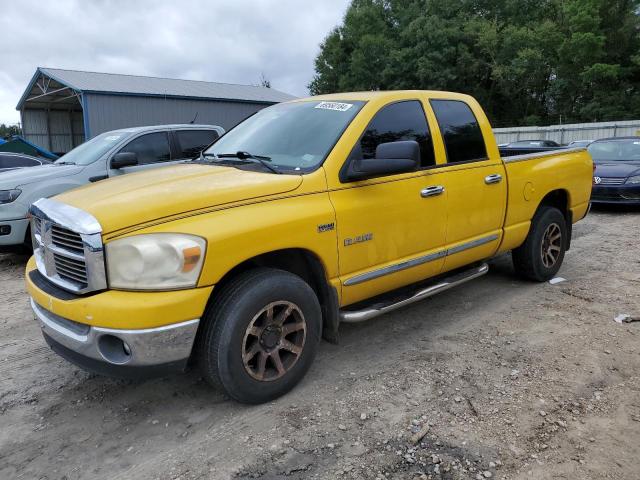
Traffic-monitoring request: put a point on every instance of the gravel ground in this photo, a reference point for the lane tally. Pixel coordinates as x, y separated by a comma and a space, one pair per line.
498, 378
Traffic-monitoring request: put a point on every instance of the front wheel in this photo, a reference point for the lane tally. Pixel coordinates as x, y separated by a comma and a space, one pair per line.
539, 258
260, 336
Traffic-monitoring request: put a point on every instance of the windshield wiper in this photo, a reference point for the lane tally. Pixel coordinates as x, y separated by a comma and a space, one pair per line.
261, 159
65, 163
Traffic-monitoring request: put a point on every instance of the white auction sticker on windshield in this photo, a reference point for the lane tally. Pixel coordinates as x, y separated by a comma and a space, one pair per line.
337, 106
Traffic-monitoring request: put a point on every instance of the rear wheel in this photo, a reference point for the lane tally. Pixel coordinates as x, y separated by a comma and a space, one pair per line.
260, 336
539, 258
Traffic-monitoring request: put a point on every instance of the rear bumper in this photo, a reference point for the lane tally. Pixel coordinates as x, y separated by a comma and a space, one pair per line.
620, 194
118, 352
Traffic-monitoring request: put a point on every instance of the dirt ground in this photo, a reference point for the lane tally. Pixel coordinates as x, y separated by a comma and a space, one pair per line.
505, 379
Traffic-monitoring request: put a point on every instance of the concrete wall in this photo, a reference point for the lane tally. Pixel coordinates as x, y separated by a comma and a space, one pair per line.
569, 132
110, 112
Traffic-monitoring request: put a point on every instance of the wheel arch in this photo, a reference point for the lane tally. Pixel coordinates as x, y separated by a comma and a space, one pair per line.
560, 199
303, 263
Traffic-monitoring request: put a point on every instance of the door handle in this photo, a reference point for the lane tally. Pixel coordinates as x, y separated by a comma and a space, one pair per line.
432, 191
495, 178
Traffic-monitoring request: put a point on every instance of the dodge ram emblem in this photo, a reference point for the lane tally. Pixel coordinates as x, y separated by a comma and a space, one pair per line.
597, 180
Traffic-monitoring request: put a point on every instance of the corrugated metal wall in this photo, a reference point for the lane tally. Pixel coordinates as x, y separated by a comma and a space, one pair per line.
109, 112
569, 132
54, 133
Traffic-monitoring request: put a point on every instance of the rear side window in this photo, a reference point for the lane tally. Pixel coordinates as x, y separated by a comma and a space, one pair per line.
192, 142
150, 148
461, 133
395, 122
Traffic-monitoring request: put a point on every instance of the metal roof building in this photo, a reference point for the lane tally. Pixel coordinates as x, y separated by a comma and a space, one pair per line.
62, 108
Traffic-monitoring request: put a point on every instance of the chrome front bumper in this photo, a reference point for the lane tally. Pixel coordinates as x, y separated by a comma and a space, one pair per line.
122, 349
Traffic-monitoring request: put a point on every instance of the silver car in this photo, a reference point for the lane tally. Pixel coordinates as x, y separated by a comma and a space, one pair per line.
107, 155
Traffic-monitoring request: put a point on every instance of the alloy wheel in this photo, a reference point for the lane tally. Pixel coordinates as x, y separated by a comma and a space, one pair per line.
273, 341
551, 245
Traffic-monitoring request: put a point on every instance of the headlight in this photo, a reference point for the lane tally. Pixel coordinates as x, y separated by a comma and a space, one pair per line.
635, 180
8, 196
156, 261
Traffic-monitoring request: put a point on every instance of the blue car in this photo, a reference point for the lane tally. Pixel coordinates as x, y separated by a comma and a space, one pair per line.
617, 175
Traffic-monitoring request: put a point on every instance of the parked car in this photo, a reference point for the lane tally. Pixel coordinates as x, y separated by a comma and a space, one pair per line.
310, 213
11, 161
579, 143
523, 147
533, 144
107, 155
617, 175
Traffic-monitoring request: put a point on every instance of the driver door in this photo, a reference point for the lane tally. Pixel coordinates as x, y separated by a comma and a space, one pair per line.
390, 233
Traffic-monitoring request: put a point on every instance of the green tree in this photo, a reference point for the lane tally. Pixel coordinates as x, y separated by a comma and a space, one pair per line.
9, 130
526, 61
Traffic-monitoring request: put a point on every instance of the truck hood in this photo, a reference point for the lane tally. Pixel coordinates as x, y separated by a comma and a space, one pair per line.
142, 197
23, 176
617, 169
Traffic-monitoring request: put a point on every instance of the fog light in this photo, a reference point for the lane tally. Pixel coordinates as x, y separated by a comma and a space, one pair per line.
5, 229
114, 350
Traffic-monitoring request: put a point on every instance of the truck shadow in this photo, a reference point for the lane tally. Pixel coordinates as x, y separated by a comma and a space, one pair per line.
9, 260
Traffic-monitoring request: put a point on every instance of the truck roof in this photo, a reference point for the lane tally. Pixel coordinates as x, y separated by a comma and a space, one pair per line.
382, 94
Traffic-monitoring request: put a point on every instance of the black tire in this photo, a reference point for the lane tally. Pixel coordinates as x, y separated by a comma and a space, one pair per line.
225, 337
529, 259
27, 245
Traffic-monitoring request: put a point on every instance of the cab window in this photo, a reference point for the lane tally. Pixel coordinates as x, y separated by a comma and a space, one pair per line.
192, 142
460, 130
399, 121
150, 148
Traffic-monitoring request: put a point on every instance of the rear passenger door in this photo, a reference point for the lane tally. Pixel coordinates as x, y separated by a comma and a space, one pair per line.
152, 150
190, 143
475, 184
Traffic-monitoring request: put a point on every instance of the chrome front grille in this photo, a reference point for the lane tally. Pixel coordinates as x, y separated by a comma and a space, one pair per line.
611, 181
67, 245
36, 223
65, 238
71, 269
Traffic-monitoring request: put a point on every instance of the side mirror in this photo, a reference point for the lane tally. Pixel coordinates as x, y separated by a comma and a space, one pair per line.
392, 157
124, 159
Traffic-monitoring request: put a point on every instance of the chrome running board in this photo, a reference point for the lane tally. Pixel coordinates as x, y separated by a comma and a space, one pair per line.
354, 316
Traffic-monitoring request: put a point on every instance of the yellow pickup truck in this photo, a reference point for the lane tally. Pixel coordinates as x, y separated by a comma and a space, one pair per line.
310, 213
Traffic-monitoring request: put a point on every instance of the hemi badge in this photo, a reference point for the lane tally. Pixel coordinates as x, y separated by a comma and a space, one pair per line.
325, 227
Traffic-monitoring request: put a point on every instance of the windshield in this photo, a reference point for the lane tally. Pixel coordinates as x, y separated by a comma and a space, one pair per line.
296, 136
615, 151
92, 150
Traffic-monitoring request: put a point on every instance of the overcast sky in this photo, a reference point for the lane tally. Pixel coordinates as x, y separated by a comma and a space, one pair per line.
226, 41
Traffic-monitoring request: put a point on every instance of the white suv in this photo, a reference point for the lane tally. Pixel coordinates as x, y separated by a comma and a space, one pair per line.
107, 155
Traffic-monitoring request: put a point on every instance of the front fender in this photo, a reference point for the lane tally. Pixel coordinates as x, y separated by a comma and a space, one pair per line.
238, 234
